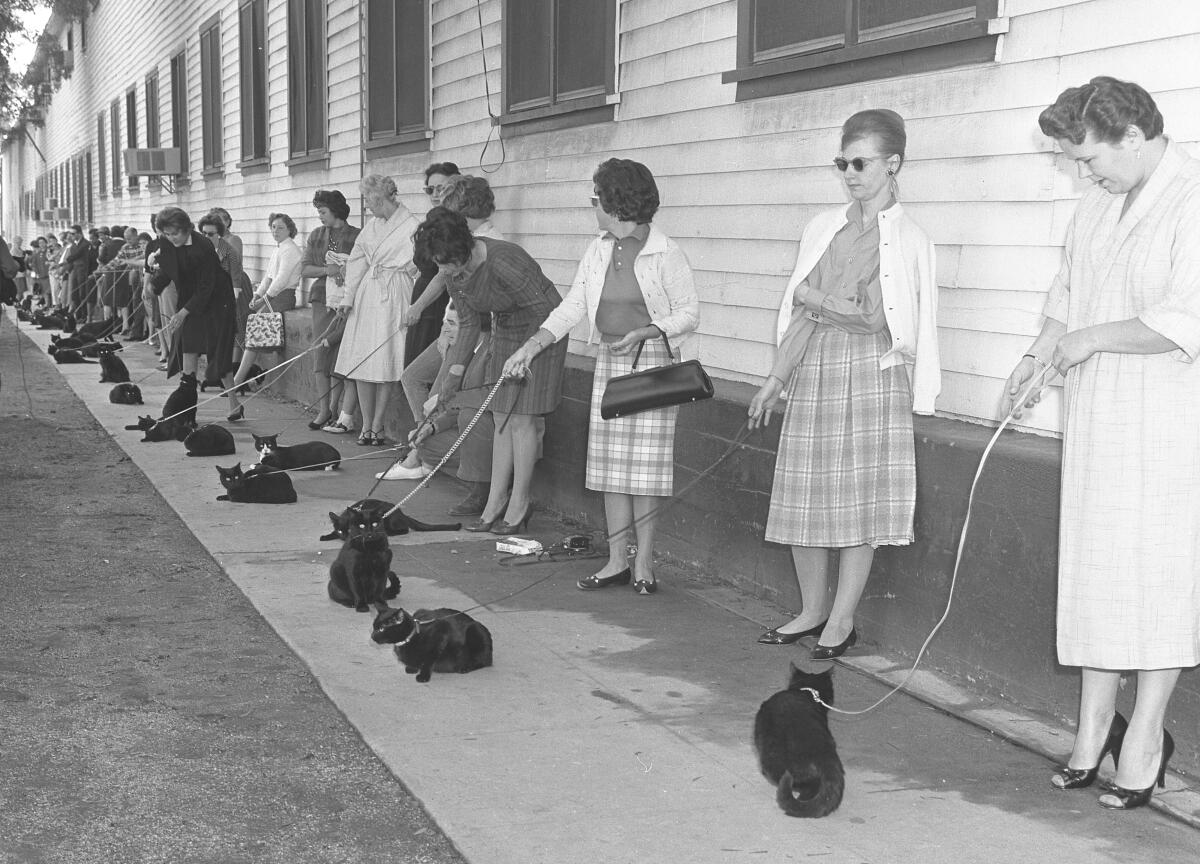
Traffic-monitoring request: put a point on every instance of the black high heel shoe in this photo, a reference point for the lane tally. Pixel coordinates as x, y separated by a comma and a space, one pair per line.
505, 528
829, 652
1129, 799
593, 583
1081, 778
237, 415
774, 637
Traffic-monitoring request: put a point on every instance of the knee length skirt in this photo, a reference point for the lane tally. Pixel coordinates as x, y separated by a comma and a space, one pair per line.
632, 455
846, 470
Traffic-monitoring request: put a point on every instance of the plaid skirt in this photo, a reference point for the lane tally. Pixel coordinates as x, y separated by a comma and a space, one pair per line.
846, 470
632, 455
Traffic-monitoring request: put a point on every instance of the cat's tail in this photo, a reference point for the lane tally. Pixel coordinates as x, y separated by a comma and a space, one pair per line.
827, 799
423, 526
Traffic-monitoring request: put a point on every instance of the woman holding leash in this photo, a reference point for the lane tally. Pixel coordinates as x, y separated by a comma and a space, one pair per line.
857, 355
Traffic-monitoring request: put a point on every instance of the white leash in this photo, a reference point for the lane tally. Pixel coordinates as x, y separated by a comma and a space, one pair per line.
236, 386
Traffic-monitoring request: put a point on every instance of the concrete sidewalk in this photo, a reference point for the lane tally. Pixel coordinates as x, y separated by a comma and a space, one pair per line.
615, 727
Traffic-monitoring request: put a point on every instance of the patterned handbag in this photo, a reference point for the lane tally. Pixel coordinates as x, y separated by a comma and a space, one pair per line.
264, 330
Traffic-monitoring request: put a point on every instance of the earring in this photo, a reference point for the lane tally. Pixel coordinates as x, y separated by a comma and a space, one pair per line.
891, 173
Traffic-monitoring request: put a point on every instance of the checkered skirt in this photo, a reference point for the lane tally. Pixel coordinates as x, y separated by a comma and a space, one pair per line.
846, 470
632, 455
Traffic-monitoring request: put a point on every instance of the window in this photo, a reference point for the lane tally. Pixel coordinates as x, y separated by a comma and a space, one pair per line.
179, 109
91, 190
153, 132
786, 46
397, 64
306, 79
101, 155
252, 48
210, 96
559, 57
114, 129
131, 136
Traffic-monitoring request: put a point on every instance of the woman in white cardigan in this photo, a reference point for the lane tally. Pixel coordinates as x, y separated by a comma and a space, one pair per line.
857, 355
635, 288
276, 292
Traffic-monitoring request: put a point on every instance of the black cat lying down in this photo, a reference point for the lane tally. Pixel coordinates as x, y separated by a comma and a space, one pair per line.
176, 429
796, 750
309, 456
210, 440
256, 486
125, 394
361, 574
394, 525
429, 640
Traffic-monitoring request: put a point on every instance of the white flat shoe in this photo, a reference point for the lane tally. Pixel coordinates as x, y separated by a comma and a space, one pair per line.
399, 472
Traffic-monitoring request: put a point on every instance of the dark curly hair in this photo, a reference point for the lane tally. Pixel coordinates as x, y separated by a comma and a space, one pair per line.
1106, 107
444, 236
627, 190
334, 200
470, 196
214, 220
173, 218
446, 169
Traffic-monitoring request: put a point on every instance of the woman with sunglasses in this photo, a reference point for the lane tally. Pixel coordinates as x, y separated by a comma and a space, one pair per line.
428, 306
857, 355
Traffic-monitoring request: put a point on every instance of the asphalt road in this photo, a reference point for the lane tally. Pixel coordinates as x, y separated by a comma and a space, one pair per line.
147, 712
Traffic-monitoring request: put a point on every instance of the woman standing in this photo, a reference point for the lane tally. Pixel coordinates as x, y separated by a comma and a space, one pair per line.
275, 293
203, 322
425, 313
636, 288
324, 261
379, 280
213, 230
1122, 326
497, 278
859, 310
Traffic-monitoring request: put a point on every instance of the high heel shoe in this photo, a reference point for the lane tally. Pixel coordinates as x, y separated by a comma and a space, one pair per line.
237, 415
1121, 798
481, 525
505, 527
774, 637
1081, 778
593, 583
829, 652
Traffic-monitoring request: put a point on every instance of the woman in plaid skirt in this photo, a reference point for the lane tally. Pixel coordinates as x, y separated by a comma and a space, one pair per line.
635, 287
857, 355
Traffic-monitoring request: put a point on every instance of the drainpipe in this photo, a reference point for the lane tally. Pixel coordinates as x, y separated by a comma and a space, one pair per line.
362, 107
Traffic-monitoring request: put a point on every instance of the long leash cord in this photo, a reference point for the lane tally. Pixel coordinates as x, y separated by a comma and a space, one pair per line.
21, 359
1036, 383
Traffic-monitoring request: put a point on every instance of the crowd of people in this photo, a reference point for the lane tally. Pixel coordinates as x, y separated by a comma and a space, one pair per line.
447, 307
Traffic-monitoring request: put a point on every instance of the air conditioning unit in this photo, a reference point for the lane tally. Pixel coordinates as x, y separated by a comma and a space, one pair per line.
51, 203
152, 161
45, 216
63, 214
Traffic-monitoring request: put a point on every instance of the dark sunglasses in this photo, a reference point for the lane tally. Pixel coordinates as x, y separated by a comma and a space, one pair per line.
858, 163
433, 190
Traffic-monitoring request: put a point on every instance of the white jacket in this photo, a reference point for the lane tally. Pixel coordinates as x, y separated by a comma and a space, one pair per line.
667, 287
907, 278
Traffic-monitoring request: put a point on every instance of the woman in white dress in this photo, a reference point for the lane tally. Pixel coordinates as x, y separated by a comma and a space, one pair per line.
379, 281
1123, 325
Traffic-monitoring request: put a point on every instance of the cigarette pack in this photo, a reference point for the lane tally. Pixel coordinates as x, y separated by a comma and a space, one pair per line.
518, 546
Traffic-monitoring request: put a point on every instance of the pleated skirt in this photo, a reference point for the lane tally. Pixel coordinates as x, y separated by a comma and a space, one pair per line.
632, 455
846, 470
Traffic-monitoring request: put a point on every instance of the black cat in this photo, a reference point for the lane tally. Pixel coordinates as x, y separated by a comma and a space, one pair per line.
61, 320
125, 394
112, 367
97, 331
58, 343
442, 640
210, 440
67, 356
175, 429
361, 574
395, 524
95, 349
310, 456
182, 399
796, 751
256, 486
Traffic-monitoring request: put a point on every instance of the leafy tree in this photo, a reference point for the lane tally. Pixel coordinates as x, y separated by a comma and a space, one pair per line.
11, 26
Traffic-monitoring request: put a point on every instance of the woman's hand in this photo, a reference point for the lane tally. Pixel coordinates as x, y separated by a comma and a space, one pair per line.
1024, 372
1072, 349
631, 339
332, 269
423, 432
343, 311
517, 365
411, 316
176, 320
763, 402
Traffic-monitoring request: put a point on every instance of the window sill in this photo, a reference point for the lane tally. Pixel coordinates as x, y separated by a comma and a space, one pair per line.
214, 173
925, 51
307, 162
254, 166
564, 115
398, 145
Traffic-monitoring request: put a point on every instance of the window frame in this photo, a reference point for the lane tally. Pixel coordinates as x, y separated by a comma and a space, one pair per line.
567, 111
408, 137
908, 52
133, 183
212, 103
150, 88
101, 155
300, 69
114, 133
179, 109
252, 52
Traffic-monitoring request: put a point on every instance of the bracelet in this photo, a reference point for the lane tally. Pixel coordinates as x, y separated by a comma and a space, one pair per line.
1036, 359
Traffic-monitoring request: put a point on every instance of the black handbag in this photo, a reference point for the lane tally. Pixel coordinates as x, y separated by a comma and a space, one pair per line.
660, 387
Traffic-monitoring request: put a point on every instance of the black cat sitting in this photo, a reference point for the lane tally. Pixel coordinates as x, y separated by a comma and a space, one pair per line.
441, 640
125, 394
361, 574
112, 367
309, 456
256, 486
210, 440
395, 524
796, 750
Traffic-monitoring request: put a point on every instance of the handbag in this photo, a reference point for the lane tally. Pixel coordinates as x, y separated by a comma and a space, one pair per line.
660, 387
264, 330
